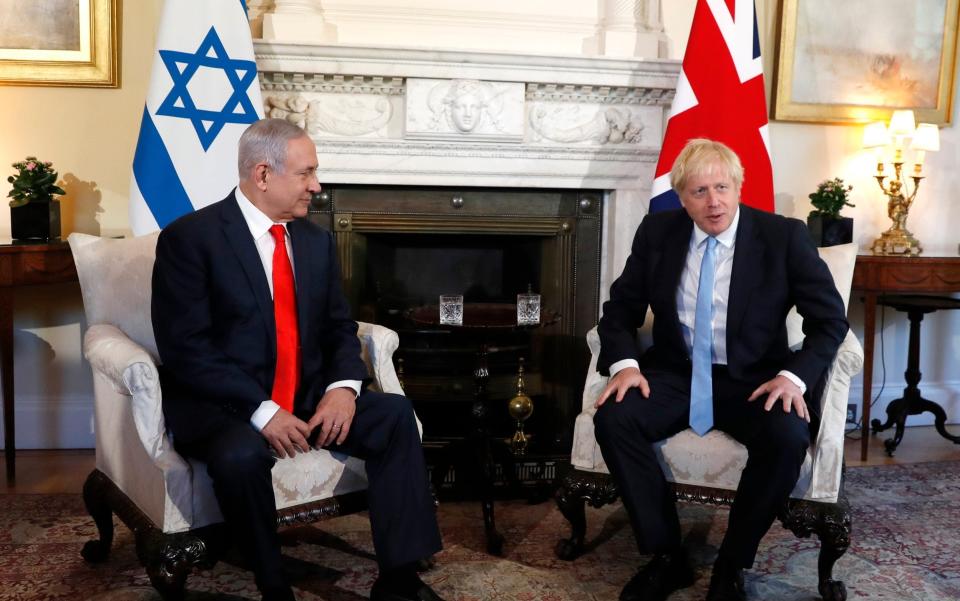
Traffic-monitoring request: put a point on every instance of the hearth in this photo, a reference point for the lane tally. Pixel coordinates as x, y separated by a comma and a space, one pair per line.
402, 247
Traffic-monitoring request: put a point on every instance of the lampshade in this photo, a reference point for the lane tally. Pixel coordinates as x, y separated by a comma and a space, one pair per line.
927, 137
875, 134
902, 123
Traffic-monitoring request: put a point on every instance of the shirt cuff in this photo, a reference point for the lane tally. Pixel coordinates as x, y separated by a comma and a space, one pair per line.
623, 364
264, 414
353, 385
793, 378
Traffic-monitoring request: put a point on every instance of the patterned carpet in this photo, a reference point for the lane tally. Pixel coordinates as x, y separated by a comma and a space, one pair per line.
905, 547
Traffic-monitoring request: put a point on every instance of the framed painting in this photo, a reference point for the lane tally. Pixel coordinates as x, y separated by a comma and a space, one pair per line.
59, 43
859, 60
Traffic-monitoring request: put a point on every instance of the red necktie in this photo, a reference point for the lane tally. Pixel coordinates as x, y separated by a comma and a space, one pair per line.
287, 373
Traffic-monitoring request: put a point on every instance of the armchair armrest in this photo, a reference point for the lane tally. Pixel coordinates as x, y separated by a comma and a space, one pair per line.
132, 372
379, 344
828, 448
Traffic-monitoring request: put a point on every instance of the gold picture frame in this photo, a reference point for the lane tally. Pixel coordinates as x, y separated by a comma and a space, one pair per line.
79, 47
859, 60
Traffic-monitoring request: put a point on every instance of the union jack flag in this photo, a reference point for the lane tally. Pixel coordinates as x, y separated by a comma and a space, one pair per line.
720, 96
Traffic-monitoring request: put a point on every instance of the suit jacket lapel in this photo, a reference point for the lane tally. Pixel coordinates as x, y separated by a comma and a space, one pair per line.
238, 235
747, 265
303, 268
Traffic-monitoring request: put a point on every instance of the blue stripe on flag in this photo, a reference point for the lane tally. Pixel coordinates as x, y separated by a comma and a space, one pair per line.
243, 3
156, 176
756, 33
664, 201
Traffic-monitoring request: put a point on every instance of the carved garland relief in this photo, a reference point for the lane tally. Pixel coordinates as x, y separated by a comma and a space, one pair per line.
466, 110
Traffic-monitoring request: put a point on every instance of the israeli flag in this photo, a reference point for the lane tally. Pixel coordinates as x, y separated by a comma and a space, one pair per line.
203, 93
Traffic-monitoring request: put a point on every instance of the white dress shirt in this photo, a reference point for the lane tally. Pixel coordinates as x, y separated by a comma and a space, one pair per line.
260, 225
687, 295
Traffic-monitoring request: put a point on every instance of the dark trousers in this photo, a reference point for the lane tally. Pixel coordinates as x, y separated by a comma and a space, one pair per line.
383, 434
776, 443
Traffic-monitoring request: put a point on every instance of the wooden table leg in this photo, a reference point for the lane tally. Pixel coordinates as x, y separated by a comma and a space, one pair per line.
869, 324
6, 365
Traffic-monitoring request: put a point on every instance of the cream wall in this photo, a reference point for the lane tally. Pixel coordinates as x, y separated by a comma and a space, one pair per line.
90, 136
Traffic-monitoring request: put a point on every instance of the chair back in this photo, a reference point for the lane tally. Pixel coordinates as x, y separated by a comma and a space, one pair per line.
115, 280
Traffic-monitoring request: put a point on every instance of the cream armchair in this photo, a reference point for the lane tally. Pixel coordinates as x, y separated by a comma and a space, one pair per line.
708, 469
165, 499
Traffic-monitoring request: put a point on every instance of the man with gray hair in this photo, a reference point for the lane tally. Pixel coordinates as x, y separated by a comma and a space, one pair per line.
719, 278
261, 359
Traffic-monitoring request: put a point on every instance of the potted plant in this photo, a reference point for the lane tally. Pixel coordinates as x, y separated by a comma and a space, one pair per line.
34, 212
827, 227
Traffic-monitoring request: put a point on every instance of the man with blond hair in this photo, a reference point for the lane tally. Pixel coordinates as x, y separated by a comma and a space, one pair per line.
719, 278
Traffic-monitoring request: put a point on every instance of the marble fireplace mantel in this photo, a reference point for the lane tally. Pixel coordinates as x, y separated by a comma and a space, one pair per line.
399, 116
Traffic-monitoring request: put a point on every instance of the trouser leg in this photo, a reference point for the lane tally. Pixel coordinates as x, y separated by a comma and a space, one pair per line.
776, 444
402, 515
239, 461
626, 432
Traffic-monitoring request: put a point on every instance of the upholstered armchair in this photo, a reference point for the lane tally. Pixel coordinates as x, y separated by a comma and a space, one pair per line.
165, 499
708, 469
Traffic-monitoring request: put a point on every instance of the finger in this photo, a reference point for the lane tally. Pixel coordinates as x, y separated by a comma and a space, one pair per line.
802, 409
622, 391
327, 433
288, 446
302, 427
299, 441
644, 387
756, 393
278, 448
315, 421
603, 395
772, 398
344, 431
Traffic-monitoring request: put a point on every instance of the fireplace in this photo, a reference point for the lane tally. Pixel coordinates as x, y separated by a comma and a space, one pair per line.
401, 247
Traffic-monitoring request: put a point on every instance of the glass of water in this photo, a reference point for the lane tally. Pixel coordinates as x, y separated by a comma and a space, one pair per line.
528, 309
451, 309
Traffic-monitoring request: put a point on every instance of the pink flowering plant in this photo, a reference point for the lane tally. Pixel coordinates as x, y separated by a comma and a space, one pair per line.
34, 181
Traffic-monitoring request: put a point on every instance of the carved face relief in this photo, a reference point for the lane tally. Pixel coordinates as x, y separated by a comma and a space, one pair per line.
466, 111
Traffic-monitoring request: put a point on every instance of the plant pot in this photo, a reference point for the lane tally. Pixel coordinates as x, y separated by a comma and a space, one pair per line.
830, 231
35, 221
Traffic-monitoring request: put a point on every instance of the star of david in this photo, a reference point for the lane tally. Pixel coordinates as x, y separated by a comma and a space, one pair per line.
182, 67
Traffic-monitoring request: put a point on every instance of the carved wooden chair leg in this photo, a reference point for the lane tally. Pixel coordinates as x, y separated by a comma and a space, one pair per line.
833, 529
831, 523
169, 559
577, 488
96, 500
572, 507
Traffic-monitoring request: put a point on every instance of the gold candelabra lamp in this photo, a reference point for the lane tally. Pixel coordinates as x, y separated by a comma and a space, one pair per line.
898, 240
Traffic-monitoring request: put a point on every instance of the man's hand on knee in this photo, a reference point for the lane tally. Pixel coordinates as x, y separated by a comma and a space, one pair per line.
782, 389
333, 416
621, 382
286, 433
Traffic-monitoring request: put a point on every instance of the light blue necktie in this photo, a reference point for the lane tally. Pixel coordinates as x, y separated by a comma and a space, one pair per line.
701, 386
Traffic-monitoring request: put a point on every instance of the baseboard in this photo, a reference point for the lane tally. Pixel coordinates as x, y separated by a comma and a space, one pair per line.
62, 422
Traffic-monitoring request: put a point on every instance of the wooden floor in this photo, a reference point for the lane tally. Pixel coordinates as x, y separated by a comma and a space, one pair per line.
63, 471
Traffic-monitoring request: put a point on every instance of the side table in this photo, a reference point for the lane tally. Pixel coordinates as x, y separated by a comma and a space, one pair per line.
23, 264
877, 275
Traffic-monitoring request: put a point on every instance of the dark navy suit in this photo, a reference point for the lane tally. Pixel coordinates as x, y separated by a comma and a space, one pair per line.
214, 323
775, 267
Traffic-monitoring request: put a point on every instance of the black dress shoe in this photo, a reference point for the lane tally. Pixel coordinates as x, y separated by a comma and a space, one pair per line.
383, 590
655, 581
726, 582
